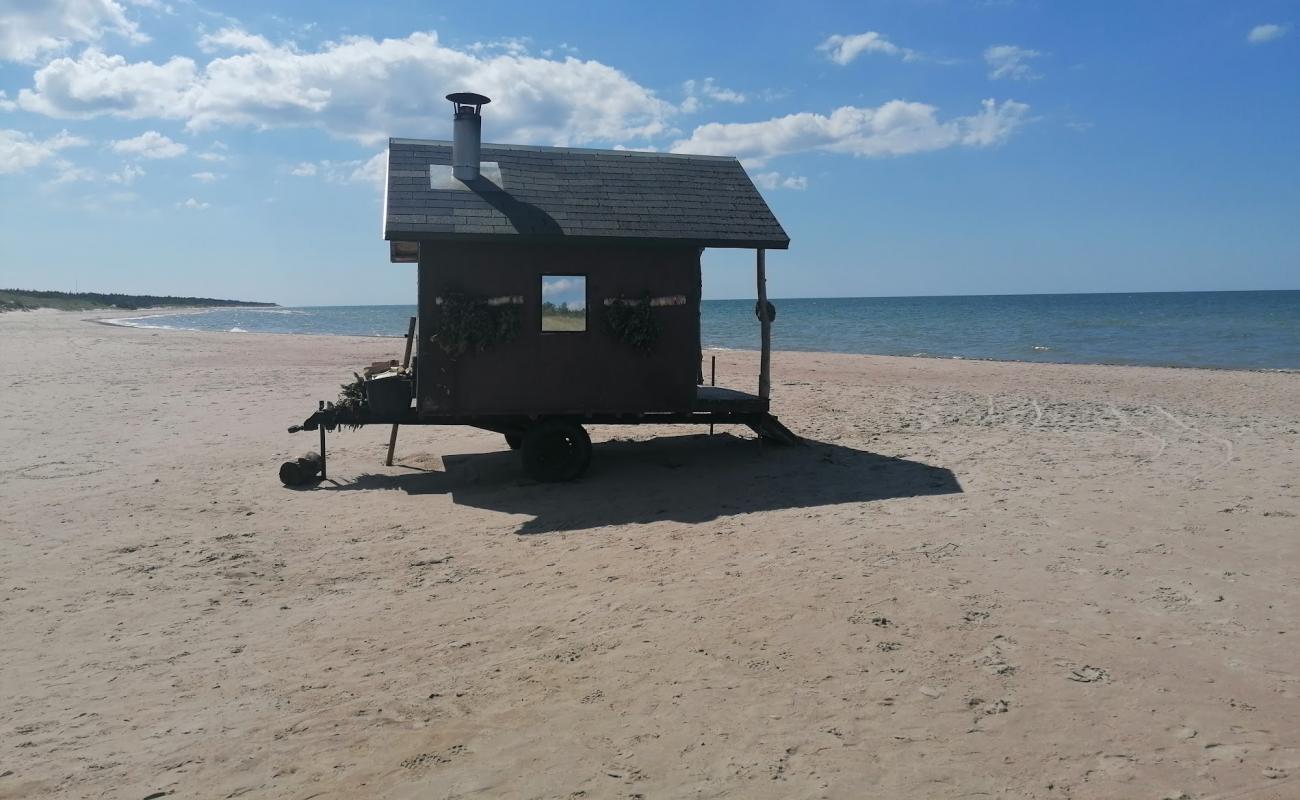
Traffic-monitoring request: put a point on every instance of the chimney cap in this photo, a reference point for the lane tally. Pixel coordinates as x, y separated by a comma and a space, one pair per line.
462, 99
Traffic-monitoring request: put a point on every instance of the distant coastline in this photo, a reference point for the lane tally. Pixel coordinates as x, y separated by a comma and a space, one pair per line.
31, 300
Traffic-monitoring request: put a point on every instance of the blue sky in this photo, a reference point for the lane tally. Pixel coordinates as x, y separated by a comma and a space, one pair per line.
908, 146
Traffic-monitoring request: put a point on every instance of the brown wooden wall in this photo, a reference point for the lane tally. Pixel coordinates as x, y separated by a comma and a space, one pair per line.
555, 372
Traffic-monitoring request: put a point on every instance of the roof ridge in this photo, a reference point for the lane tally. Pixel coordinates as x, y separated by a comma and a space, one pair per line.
574, 150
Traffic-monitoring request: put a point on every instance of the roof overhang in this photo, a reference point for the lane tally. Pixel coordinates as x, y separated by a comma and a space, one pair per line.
403, 252
406, 250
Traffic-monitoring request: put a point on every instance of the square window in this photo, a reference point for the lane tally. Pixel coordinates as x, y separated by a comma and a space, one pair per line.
564, 303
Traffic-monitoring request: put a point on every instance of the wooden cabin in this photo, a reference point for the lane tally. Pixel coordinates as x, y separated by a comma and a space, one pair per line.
560, 286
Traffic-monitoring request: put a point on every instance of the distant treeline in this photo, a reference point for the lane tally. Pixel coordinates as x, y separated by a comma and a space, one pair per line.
563, 309
26, 300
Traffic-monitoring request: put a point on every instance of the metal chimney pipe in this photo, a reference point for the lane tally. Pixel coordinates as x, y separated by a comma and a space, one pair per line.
467, 134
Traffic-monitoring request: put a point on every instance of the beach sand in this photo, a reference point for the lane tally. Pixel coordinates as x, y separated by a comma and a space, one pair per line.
979, 580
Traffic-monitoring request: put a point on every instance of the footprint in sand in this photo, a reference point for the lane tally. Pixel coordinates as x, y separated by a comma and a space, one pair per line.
1088, 674
994, 660
433, 759
1170, 599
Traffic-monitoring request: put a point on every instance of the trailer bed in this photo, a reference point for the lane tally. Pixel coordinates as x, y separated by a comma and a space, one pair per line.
716, 399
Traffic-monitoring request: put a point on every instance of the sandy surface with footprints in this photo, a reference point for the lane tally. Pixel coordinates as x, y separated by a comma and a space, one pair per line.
980, 580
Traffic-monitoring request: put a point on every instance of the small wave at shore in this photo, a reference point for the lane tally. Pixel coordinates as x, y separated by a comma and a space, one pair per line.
134, 322
144, 320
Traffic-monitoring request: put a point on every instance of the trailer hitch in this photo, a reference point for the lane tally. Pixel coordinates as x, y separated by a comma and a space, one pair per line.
325, 418
330, 416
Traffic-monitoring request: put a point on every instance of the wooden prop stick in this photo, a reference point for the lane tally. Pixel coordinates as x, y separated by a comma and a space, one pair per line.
765, 359
713, 381
406, 362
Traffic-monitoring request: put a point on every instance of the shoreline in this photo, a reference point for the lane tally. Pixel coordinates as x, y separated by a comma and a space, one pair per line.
927, 357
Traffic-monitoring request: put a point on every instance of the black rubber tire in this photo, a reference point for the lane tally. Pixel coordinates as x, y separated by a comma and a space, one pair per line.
515, 440
556, 450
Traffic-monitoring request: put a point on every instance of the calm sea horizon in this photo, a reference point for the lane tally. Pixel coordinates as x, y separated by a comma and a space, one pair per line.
1224, 330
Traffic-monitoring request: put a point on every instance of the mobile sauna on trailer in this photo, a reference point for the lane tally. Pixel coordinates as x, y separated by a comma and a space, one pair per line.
560, 287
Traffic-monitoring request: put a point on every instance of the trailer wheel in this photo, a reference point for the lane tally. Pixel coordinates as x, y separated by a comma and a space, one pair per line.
556, 450
515, 440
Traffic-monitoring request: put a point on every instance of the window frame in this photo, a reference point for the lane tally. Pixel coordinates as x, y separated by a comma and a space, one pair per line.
541, 300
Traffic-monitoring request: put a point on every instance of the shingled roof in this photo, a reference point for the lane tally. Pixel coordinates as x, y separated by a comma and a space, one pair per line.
553, 193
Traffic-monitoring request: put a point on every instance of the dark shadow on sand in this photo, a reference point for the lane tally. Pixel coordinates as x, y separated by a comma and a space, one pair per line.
693, 478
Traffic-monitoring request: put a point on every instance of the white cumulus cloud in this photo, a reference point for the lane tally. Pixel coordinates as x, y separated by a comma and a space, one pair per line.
1010, 62
95, 84
21, 151
844, 49
206, 177
708, 89
558, 286
359, 88
126, 176
193, 205
236, 39
373, 170
775, 180
214, 153
32, 28
362, 170
895, 128
1267, 33
150, 144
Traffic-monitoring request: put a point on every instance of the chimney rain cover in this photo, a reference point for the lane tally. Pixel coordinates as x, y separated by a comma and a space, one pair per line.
462, 101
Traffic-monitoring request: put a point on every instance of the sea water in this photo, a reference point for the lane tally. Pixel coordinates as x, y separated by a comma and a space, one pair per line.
1233, 330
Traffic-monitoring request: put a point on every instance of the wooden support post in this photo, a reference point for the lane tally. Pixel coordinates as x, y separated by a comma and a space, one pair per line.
323, 473
713, 381
406, 362
765, 330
